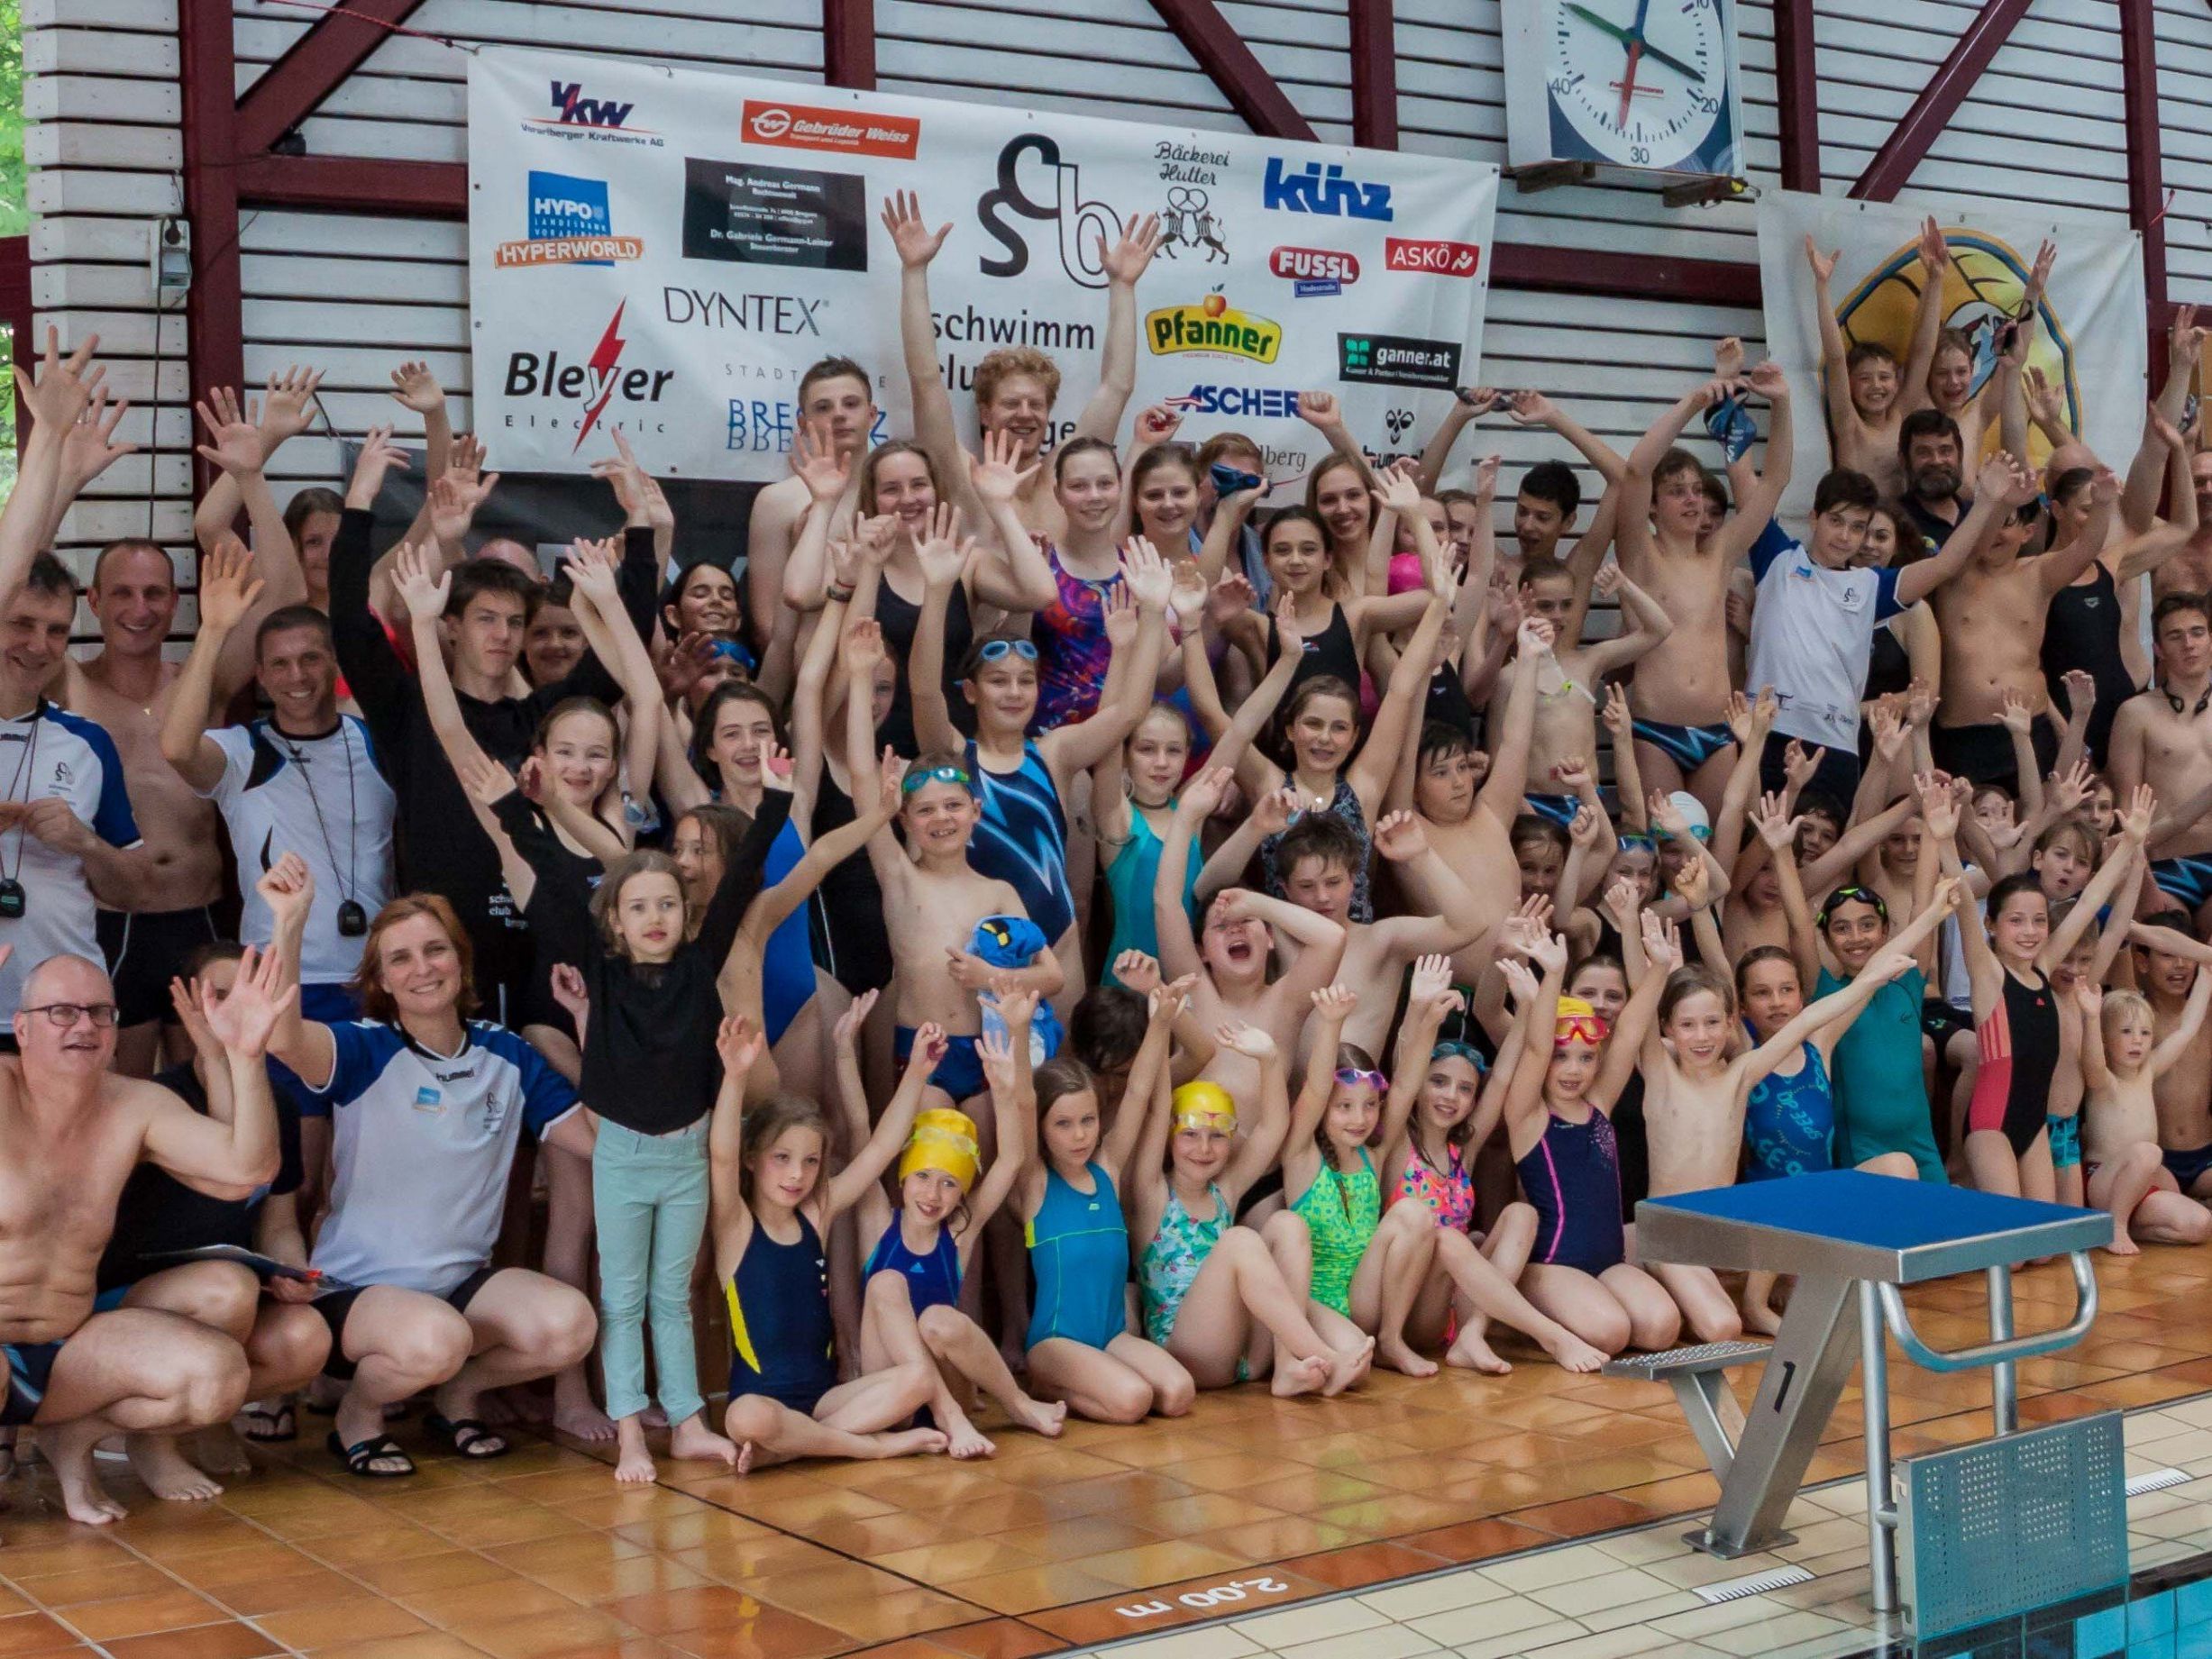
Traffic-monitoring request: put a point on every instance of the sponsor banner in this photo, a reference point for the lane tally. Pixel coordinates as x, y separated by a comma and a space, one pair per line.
640, 262
2090, 340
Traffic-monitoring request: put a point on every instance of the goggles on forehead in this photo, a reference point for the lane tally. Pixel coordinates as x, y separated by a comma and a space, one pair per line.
935, 774
998, 650
1851, 893
1351, 1077
1460, 1050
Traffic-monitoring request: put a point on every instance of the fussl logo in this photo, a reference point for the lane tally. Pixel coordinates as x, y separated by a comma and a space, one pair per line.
1313, 265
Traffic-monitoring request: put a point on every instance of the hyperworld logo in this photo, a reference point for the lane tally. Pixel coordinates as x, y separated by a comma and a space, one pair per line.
568, 223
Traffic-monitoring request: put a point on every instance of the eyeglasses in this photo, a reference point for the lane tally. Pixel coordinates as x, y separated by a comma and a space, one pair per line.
935, 774
1351, 1078
1459, 1051
67, 1014
996, 651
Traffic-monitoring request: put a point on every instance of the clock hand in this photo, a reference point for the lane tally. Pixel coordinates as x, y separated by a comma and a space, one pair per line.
1589, 16
1628, 80
1672, 62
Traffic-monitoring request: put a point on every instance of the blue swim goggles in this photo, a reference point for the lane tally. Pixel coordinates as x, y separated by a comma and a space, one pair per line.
936, 774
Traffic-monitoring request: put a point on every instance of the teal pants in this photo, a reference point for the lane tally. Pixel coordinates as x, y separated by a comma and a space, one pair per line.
649, 1198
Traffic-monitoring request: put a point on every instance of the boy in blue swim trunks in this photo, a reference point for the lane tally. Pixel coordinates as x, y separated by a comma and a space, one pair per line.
932, 903
2165, 736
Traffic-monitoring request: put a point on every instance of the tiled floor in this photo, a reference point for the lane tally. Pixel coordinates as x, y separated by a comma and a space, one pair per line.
1249, 1505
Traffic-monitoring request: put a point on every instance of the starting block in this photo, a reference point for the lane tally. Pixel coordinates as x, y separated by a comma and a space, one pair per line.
1845, 1236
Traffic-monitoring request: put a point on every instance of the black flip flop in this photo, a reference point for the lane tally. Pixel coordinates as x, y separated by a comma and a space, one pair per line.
268, 1427
465, 1434
358, 1456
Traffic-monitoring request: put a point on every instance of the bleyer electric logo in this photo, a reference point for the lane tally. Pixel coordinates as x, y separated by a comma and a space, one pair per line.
592, 385
571, 108
569, 223
1213, 326
845, 131
1394, 359
1437, 259
1314, 271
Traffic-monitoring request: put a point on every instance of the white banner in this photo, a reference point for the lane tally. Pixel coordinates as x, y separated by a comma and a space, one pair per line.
2090, 340
664, 252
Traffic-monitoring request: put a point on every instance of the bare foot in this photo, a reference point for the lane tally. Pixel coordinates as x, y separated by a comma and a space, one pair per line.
751, 1455
1348, 1366
1470, 1352
220, 1451
2121, 1245
652, 1416
1036, 1414
162, 1467
1760, 1318
963, 1440
68, 1448
694, 1442
1296, 1376
906, 1442
1398, 1356
1572, 1354
585, 1422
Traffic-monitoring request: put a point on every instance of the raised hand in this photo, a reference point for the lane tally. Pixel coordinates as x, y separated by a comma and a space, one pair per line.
1586, 830
233, 439
1768, 380
1145, 575
1800, 765
1519, 981
1157, 423
1823, 264
1534, 639
64, 386
942, 555
423, 579
1477, 401
487, 781
1230, 597
1775, 825
1125, 260
1397, 492
845, 1033
1532, 408
1400, 836
917, 243
379, 455
1187, 596
2081, 691
816, 461
286, 405
1202, 796
1249, 1041
1117, 617
2136, 821
243, 1020
569, 991
415, 388
1694, 884
90, 448
1662, 943
1333, 1004
1165, 1004
1934, 251
1320, 410
288, 887
864, 647
1017, 1006
228, 587
994, 476
740, 1043
1138, 972
2045, 403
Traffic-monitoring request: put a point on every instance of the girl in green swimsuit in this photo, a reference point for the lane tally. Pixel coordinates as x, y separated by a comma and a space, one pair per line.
1215, 1294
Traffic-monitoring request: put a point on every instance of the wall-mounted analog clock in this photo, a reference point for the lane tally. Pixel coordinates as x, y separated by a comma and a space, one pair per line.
1631, 87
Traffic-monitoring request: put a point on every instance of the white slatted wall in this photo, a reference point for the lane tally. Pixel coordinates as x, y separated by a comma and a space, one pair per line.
355, 293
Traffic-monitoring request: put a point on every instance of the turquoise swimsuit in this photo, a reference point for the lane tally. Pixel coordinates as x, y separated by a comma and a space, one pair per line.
1079, 1250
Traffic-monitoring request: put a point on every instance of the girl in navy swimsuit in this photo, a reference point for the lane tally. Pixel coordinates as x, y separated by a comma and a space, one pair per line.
921, 1250
1559, 1124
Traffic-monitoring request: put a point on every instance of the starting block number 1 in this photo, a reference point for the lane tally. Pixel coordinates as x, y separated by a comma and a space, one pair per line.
1216, 1595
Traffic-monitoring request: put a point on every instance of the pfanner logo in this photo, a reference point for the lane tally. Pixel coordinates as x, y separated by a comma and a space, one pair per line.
1315, 188
593, 384
1211, 326
572, 109
569, 223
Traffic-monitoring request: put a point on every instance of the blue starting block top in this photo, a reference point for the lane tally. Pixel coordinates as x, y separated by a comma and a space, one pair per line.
1848, 1223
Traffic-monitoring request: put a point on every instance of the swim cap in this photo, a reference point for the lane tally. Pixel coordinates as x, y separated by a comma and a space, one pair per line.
1577, 1022
942, 1139
1205, 1106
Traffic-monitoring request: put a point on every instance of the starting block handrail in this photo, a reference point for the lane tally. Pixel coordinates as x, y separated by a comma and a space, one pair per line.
2001, 1352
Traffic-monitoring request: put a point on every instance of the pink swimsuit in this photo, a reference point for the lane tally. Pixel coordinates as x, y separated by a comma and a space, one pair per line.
1450, 1194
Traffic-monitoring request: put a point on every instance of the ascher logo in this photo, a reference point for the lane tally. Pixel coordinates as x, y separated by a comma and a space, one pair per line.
593, 384
1314, 188
1394, 360
1267, 402
572, 109
846, 131
1211, 326
569, 224
1439, 259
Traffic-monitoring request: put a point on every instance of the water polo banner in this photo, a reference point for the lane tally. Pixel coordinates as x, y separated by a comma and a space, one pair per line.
664, 252
2090, 338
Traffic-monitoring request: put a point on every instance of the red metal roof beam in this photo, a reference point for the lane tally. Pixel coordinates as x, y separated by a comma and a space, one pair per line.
1229, 64
1907, 143
293, 87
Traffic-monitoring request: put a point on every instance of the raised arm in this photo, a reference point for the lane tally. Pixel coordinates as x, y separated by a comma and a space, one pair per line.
1170, 918
1471, 405
1927, 317
1018, 579
1301, 1158
1124, 263
2176, 1041
1834, 352
227, 593
608, 630
935, 428
1263, 1130
876, 1153
943, 559
235, 447
2134, 831
1142, 599
244, 1150
61, 392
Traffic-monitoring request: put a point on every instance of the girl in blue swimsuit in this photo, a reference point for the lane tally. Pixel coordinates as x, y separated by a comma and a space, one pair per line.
1559, 1123
909, 1309
771, 1209
1022, 782
1068, 1196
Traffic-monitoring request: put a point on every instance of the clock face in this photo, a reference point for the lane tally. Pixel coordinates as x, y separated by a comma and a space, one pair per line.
1642, 83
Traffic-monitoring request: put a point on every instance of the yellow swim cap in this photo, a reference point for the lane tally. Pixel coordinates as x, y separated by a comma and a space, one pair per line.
1577, 1022
942, 1139
1205, 1106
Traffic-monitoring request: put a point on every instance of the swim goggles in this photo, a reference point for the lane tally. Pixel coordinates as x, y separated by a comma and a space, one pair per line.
1460, 1050
936, 774
1577, 1022
995, 651
1851, 893
1351, 1077
1638, 841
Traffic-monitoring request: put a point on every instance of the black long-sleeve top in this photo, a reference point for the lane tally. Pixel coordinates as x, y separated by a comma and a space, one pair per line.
649, 1046
442, 847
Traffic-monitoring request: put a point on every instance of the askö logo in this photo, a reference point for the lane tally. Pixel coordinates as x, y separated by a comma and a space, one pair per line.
1316, 189
594, 383
1439, 259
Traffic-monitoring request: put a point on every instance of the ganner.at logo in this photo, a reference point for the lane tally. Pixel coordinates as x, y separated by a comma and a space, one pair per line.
1211, 325
1316, 189
593, 384
569, 223
1397, 360
572, 109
